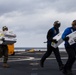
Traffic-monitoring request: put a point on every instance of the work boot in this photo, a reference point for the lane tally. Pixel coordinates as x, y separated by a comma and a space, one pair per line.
61, 67
41, 64
67, 72
5, 65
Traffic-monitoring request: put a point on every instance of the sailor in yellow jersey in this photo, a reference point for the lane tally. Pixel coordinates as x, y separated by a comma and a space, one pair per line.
4, 50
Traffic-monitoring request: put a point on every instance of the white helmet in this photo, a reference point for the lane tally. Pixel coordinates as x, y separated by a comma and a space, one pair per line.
57, 24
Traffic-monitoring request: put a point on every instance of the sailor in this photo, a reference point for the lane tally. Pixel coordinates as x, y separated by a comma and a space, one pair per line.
51, 33
70, 49
4, 50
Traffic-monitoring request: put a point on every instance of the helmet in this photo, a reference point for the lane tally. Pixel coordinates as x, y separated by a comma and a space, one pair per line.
57, 24
74, 23
4, 28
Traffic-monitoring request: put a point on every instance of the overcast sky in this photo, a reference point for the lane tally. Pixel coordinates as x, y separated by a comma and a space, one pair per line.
31, 19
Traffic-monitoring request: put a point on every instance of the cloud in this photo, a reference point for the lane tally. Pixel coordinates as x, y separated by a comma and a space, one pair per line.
32, 6
31, 19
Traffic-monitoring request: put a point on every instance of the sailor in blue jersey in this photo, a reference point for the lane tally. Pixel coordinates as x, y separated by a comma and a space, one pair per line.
70, 49
51, 33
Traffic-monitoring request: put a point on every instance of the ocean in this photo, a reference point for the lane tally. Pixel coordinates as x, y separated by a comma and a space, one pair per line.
34, 48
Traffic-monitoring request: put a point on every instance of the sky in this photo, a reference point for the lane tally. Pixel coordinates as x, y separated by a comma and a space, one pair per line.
30, 20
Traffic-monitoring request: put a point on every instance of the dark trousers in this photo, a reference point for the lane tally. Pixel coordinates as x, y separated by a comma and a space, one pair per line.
50, 49
4, 52
71, 51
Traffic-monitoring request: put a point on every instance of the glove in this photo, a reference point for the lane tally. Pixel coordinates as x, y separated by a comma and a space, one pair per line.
54, 40
66, 38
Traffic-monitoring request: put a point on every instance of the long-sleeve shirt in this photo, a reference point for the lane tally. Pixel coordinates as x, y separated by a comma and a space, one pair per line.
51, 33
66, 32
